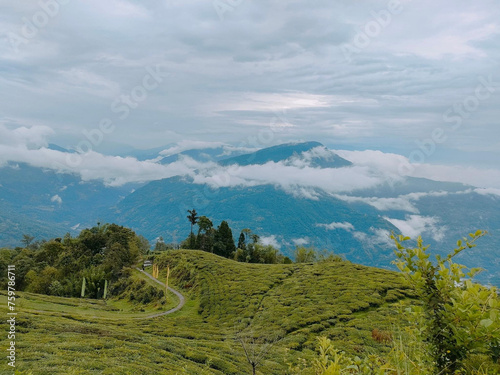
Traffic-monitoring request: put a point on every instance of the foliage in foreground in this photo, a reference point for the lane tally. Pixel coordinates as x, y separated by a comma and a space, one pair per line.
454, 329
57, 267
459, 318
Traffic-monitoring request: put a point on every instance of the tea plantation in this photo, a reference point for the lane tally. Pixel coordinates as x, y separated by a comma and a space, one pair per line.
276, 309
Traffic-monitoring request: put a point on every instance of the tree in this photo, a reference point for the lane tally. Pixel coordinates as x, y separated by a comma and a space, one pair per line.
193, 218
160, 244
205, 234
241, 241
144, 245
27, 240
305, 255
265, 254
247, 232
257, 348
49, 252
459, 317
204, 224
39, 282
224, 242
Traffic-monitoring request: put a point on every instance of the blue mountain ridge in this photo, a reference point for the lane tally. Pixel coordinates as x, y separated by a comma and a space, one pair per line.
159, 209
30, 203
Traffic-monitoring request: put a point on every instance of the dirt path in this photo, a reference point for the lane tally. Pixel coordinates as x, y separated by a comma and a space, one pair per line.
182, 299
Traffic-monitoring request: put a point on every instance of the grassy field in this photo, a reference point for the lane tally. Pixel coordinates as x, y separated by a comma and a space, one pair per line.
112, 309
290, 303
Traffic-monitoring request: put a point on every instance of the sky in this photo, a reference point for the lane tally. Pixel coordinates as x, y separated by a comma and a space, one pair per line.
416, 81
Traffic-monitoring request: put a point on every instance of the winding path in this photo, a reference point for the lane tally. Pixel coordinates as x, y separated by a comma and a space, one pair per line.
182, 299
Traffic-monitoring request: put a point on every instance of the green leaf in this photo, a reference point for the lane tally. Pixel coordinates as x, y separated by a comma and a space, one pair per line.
486, 323
493, 315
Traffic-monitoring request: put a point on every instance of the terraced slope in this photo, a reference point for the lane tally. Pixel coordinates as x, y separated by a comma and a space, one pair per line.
342, 300
294, 303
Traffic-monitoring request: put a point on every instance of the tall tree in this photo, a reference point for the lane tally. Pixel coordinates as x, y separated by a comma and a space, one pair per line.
241, 241
27, 239
205, 234
193, 218
204, 224
224, 242
247, 232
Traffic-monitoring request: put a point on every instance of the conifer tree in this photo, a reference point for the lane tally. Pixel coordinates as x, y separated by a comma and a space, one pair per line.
241, 242
224, 242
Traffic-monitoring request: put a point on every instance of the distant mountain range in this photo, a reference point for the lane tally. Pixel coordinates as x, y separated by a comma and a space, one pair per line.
355, 223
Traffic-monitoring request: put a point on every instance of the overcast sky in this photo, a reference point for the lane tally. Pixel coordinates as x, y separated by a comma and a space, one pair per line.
354, 75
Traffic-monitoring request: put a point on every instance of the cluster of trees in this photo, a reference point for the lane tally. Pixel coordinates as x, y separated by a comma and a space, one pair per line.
57, 267
214, 240
220, 241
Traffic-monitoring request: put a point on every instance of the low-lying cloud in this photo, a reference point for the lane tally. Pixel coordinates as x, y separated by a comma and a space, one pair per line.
296, 175
345, 226
416, 225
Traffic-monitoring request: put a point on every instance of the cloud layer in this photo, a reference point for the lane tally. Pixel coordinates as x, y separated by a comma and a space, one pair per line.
260, 74
295, 175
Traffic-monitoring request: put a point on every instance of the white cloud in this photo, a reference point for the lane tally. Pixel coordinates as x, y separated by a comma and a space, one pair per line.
112, 170
301, 241
388, 162
416, 225
345, 226
389, 96
290, 178
29, 137
270, 240
458, 37
375, 237
485, 178
395, 166
56, 199
190, 145
277, 102
119, 8
79, 79
488, 191
306, 157
401, 203
370, 169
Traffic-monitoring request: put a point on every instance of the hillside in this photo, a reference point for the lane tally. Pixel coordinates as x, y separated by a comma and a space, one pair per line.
47, 204
290, 194
356, 225
295, 302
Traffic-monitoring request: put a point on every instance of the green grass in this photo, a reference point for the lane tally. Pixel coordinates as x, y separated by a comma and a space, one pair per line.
298, 302
113, 308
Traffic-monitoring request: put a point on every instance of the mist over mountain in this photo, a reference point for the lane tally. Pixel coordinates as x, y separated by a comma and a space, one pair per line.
356, 222
291, 194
